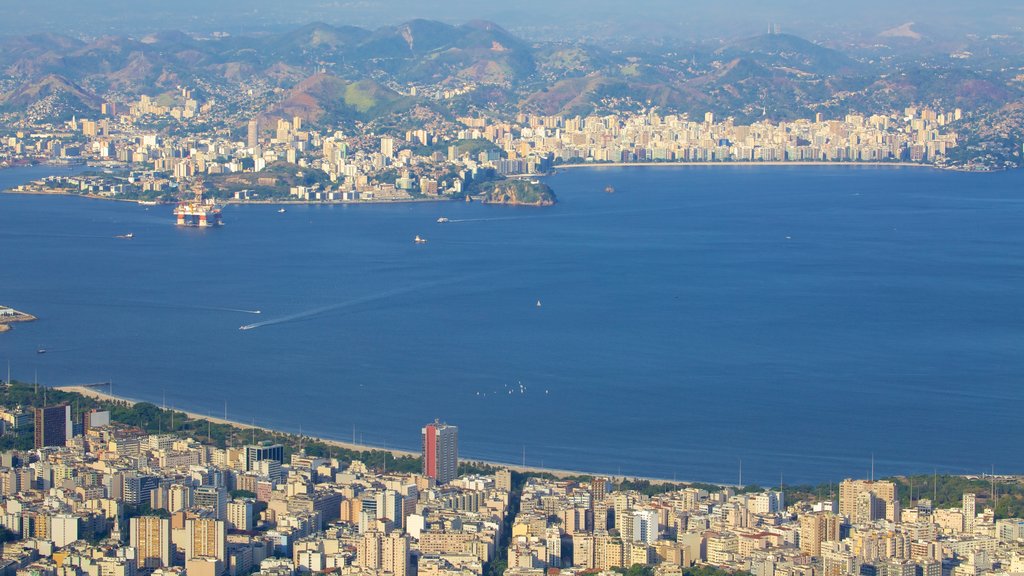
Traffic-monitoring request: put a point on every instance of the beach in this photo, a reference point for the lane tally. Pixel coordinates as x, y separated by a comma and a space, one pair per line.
557, 472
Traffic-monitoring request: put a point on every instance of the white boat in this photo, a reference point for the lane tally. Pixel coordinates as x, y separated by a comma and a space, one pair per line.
538, 303
419, 240
442, 220
281, 211
246, 327
127, 236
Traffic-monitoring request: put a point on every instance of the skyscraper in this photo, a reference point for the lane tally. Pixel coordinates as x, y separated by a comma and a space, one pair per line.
440, 452
53, 425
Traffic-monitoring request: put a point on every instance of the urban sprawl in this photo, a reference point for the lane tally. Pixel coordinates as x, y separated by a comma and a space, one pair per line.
288, 161
98, 498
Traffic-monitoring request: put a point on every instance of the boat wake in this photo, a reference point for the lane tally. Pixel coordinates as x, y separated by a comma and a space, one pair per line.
306, 314
242, 310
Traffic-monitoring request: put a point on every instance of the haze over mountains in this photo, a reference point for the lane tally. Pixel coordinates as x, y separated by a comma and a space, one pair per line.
535, 19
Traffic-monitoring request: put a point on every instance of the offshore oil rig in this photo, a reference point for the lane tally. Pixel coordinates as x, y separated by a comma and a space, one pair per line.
197, 211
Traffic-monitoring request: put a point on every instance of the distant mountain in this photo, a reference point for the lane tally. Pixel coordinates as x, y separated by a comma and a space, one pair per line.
324, 98
62, 97
785, 51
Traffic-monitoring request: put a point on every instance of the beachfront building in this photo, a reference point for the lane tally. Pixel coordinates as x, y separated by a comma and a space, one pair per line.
440, 451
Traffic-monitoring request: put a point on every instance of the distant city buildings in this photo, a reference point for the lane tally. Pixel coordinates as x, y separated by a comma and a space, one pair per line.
442, 159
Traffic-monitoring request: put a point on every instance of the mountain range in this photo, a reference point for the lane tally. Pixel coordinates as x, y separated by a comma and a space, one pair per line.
328, 73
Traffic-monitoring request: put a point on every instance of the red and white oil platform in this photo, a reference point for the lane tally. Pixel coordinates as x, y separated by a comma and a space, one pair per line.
198, 212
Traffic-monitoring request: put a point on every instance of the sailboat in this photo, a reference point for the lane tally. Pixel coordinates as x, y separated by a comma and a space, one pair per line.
538, 303
419, 240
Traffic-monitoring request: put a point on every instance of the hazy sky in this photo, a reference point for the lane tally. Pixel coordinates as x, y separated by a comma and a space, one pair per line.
685, 19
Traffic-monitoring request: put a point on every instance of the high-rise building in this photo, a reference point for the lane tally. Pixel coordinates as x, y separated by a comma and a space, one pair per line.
205, 538
213, 498
53, 425
63, 529
240, 514
503, 480
253, 135
384, 553
440, 452
263, 451
151, 538
817, 528
645, 526
395, 554
179, 497
387, 146
867, 500
970, 511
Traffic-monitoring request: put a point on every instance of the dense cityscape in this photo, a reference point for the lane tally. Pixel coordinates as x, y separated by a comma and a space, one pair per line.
289, 163
99, 497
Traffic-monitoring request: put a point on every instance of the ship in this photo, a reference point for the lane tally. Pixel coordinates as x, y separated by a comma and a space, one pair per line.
199, 212
281, 211
609, 189
148, 203
442, 220
127, 236
419, 240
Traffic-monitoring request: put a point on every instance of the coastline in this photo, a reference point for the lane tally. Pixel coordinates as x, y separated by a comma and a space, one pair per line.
557, 472
19, 316
744, 163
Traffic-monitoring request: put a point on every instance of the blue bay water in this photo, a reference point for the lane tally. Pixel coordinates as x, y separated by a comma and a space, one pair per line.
797, 318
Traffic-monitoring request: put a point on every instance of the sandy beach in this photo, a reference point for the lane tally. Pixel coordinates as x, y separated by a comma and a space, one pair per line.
557, 472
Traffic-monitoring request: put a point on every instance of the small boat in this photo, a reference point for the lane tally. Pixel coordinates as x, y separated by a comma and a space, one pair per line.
538, 303
609, 189
246, 327
419, 240
442, 220
127, 236
41, 351
281, 211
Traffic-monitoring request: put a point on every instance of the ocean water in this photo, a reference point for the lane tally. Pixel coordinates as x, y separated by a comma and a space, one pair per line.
798, 318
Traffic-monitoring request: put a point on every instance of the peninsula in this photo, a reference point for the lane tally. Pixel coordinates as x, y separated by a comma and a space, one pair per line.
9, 316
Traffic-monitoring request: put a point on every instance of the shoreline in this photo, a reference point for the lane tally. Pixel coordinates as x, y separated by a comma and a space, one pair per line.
19, 316
745, 163
232, 201
396, 452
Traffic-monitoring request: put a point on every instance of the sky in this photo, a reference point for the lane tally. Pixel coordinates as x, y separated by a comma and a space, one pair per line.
540, 19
